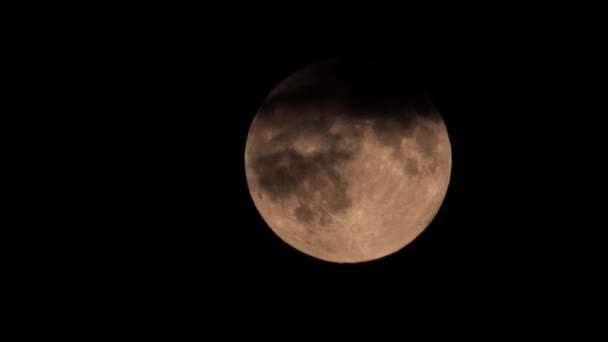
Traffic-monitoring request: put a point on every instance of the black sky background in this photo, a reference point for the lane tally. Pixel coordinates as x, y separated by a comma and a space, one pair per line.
140, 222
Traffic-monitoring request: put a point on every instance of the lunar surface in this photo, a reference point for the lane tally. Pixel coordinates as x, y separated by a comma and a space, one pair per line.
345, 163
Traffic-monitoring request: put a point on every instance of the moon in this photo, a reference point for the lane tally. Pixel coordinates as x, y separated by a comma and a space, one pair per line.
347, 162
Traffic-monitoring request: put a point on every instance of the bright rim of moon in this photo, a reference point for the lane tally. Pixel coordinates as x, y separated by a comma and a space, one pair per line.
340, 180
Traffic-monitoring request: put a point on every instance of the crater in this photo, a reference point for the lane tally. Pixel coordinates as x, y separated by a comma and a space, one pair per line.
426, 139
411, 166
304, 214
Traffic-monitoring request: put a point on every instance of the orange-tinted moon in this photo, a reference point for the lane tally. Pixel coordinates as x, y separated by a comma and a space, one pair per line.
344, 166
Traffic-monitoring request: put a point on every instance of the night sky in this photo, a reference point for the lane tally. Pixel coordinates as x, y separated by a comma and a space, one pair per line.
140, 221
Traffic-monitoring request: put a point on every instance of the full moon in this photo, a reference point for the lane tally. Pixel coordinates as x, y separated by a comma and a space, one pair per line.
347, 161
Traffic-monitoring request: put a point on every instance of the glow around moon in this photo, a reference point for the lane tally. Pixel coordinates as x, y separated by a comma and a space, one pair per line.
344, 169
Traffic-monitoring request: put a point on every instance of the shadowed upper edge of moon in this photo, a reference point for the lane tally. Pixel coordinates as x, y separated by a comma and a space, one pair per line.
361, 91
